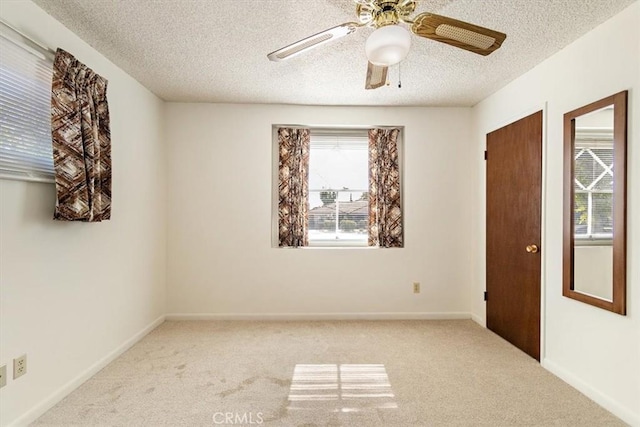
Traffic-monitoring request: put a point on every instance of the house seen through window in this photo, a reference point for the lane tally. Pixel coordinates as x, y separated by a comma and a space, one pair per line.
338, 187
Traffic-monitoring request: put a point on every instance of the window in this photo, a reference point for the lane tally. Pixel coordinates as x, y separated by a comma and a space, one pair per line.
25, 109
338, 187
593, 188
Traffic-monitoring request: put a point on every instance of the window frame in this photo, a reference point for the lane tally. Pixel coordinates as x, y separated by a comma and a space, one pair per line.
329, 243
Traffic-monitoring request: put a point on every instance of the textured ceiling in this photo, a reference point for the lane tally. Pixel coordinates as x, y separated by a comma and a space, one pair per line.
215, 51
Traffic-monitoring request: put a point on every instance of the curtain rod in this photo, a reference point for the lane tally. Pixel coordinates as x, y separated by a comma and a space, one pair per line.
37, 49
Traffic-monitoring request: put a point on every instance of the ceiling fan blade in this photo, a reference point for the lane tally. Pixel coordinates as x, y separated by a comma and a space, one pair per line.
376, 76
456, 33
313, 41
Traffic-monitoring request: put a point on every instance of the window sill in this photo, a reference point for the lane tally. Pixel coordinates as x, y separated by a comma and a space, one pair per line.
593, 242
330, 244
341, 246
338, 243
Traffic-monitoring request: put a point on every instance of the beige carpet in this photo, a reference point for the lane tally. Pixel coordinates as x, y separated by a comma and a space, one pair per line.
354, 373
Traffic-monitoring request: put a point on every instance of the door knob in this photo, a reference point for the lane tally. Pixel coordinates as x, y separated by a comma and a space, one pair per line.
532, 249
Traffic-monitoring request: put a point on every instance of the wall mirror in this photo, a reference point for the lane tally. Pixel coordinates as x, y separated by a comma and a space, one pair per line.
594, 246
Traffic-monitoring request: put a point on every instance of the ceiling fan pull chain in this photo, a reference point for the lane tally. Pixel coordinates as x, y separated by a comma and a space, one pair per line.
399, 77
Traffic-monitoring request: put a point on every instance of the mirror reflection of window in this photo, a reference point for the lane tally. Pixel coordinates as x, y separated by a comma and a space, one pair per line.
594, 252
593, 203
593, 186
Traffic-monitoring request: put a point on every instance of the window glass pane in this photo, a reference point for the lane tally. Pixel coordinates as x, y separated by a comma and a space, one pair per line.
604, 156
353, 214
586, 168
581, 214
338, 183
338, 168
322, 215
25, 113
602, 213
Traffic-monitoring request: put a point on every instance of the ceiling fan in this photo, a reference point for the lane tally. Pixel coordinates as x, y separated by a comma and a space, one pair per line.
390, 42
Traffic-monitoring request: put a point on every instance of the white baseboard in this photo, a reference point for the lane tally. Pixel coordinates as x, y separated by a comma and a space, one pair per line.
625, 414
480, 321
42, 407
319, 316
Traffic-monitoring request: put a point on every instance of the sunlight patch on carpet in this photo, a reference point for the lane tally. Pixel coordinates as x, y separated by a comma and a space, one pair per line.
341, 388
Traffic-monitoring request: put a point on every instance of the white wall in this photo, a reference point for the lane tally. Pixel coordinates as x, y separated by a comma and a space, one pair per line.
221, 259
595, 350
73, 293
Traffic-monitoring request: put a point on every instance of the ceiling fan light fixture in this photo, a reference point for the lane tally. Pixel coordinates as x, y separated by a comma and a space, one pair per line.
388, 45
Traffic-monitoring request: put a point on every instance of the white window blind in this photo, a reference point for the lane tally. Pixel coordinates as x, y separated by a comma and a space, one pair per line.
25, 110
338, 187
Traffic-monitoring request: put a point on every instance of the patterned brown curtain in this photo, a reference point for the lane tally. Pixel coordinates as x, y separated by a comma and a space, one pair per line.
385, 208
81, 141
293, 187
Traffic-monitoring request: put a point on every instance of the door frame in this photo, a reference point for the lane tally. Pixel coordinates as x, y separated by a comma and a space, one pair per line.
543, 209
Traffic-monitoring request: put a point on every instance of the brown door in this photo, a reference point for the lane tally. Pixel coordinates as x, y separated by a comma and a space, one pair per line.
514, 191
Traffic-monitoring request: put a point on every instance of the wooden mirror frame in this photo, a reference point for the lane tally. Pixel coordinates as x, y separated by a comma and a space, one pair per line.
618, 303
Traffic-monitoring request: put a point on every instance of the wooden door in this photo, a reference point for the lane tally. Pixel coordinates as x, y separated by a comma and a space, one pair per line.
514, 210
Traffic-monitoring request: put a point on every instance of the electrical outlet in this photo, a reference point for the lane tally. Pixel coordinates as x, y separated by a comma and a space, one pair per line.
416, 287
3, 376
19, 366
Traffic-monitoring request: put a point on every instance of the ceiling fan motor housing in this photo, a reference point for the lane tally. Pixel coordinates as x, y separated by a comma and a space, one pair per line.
380, 13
